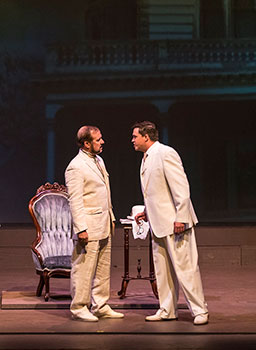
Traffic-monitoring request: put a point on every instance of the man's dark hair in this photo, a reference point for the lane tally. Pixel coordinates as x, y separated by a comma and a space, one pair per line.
147, 127
85, 134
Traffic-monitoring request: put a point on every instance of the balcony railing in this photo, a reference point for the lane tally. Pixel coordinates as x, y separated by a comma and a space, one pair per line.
153, 56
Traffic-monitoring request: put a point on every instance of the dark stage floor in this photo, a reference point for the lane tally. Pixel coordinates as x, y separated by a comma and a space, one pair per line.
29, 323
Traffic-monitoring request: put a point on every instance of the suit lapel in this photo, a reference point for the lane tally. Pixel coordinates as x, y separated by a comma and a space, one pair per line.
146, 170
103, 172
91, 163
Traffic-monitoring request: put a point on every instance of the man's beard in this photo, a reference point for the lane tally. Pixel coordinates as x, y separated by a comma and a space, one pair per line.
93, 151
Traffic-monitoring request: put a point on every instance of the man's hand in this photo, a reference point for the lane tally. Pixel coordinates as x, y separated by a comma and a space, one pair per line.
179, 227
141, 216
83, 238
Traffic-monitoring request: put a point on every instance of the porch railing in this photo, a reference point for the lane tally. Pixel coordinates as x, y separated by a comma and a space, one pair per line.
93, 57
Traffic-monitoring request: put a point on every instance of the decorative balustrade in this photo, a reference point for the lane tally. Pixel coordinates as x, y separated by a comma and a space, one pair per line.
150, 55
211, 51
95, 56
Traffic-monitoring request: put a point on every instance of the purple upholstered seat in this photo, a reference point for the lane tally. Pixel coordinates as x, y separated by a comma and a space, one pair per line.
53, 245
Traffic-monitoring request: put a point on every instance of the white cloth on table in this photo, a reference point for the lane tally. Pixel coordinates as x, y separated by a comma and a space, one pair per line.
141, 230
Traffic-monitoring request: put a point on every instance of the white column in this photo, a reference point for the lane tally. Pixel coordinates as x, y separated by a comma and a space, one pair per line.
163, 108
227, 8
232, 185
51, 110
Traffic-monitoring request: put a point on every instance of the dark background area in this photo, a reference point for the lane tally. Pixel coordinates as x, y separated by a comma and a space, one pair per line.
215, 139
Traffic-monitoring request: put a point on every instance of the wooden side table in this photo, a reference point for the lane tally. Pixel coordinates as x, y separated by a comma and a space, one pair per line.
126, 277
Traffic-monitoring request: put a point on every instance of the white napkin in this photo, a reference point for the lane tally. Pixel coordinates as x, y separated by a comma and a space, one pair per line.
126, 221
141, 230
138, 231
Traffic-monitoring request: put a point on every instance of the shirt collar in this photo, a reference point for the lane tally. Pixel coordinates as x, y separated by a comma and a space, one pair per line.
152, 147
90, 155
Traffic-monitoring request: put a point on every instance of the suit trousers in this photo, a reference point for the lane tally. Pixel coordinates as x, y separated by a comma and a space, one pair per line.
90, 275
176, 264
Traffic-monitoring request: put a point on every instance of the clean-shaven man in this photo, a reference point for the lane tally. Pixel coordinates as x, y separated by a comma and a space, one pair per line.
87, 182
171, 216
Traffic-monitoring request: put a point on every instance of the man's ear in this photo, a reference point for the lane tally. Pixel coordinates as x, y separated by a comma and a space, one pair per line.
87, 144
146, 137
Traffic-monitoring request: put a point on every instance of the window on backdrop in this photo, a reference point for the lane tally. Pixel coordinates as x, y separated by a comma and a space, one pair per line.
228, 18
212, 19
244, 18
111, 20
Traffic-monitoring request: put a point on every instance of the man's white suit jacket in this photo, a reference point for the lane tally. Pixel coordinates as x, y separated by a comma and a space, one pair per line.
89, 196
166, 190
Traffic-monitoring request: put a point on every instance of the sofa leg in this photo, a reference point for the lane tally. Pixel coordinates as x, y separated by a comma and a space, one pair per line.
47, 285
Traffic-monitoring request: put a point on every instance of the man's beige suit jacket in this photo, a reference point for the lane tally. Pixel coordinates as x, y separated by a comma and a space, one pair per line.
166, 190
89, 196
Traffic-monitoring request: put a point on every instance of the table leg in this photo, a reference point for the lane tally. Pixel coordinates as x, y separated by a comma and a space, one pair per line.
126, 277
124, 285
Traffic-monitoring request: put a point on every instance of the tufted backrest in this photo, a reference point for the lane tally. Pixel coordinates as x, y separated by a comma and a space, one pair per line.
52, 213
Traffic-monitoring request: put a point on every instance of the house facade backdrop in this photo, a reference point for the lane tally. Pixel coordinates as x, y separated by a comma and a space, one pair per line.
188, 65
